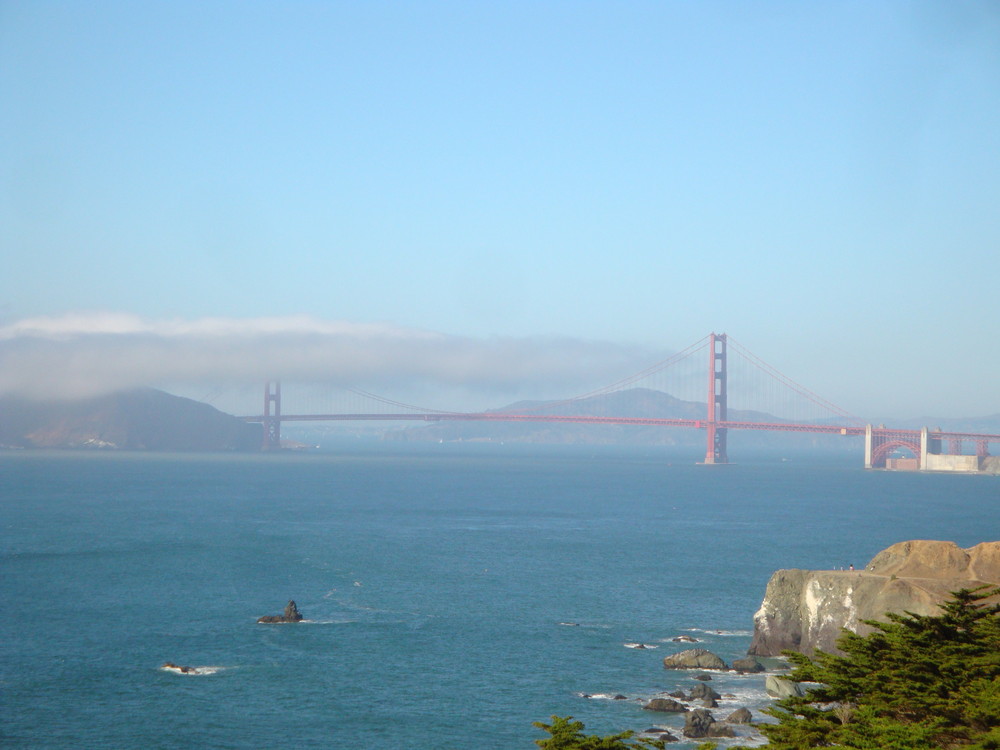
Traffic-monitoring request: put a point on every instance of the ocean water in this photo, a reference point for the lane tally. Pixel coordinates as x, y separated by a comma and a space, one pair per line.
454, 594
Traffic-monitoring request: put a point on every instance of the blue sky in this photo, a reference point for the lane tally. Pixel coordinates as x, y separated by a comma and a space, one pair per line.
820, 180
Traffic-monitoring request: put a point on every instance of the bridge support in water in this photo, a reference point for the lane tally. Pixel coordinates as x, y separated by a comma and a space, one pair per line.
716, 436
272, 418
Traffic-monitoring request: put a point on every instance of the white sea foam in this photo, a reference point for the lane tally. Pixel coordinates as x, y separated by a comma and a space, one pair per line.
639, 645
603, 696
191, 671
681, 639
740, 633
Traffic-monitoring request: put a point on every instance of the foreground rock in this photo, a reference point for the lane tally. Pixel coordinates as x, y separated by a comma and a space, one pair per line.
694, 658
291, 614
779, 688
805, 610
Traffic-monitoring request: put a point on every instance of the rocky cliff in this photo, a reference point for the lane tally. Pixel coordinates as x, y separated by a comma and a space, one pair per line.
805, 610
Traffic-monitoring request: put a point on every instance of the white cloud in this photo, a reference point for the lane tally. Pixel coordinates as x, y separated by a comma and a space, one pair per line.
86, 354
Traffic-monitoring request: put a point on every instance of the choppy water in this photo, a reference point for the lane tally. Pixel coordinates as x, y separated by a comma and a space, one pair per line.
454, 594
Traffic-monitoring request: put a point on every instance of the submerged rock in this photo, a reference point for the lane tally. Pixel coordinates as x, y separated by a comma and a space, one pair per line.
178, 668
291, 614
658, 733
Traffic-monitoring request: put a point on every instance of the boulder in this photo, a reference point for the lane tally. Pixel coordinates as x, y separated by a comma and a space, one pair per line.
701, 690
740, 716
665, 704
697, 722
704, 676
694, 658
748, 664
700, 723
778, 688
291, 614
805, 610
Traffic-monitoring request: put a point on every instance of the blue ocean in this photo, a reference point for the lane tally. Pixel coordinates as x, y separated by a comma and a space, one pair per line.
453, 594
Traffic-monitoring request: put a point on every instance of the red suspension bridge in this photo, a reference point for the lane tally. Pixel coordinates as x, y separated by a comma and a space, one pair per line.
931, 449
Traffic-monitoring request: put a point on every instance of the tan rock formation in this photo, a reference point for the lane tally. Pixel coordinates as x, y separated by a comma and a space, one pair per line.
805, 610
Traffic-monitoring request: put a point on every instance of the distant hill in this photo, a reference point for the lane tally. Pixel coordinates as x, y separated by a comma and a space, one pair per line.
636, 402
141, 419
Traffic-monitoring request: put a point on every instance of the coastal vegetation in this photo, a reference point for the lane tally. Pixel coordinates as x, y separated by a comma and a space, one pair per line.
567, 734
916, 682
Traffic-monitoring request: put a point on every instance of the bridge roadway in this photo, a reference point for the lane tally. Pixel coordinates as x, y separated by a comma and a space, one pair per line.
928, 447
638, 421
583, 419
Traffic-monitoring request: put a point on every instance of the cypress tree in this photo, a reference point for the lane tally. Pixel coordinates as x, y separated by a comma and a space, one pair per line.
915, 682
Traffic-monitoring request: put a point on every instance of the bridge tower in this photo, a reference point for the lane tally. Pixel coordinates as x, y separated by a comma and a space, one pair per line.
272, 419
715, 435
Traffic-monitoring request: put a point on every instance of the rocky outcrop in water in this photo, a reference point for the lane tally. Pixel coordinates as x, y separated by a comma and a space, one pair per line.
178, 668
748, 664
740, 716
700, 723
805, 610
291, 614
694, 658
667, 705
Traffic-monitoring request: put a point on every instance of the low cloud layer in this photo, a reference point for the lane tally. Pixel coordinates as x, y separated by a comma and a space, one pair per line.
89, 354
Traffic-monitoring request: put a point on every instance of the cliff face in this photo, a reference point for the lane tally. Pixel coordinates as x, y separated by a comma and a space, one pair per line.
804, 610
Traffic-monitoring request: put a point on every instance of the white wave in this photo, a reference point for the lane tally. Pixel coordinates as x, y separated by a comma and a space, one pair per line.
639, 645
681, 639
603, 696
191, 671
740, 633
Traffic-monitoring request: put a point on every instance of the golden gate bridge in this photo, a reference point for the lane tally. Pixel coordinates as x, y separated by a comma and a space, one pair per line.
931, 449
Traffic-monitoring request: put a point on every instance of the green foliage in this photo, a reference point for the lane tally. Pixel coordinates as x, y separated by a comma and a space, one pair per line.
567, 734
916, 682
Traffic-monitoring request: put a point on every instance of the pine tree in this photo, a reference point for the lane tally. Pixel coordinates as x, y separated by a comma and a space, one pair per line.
567, 734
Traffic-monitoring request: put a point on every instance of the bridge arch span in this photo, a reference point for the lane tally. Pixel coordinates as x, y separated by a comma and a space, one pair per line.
881, 452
